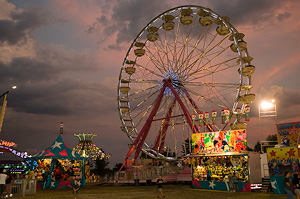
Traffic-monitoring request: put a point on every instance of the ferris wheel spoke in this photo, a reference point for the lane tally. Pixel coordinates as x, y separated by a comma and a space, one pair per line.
185, 41
214, 84
205, 53
156, 61
216, 66
142, 81
209, 100
132, 97
190, 55
148, 70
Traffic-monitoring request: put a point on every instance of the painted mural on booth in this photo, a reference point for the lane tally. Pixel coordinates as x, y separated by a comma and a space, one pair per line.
222, 141
288, 133
282, 159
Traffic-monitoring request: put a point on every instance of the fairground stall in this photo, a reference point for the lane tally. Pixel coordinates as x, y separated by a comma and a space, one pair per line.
284, 157
216, 157
57, 166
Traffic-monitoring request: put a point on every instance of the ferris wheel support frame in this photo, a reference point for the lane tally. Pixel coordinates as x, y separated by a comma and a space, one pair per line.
139, 141
209, 126
160, 140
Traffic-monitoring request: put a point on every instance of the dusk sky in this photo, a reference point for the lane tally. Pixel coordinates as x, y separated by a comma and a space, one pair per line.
65, 57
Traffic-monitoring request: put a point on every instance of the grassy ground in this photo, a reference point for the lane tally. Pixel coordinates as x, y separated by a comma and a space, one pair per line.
145, 192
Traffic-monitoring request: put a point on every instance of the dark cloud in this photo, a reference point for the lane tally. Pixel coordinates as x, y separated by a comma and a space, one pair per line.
22, 23
128, 18
253, 12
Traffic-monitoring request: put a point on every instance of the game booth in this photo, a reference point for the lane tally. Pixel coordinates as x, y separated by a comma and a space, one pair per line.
57, 166
284, 157
216, 157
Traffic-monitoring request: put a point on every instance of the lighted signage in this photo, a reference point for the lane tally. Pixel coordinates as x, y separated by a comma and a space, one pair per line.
288, 133
6, 143
222, 141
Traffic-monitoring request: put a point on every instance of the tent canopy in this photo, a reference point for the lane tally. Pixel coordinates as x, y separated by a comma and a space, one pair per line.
58, 150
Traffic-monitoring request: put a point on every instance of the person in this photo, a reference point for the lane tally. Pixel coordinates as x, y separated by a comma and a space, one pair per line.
235, 183
75, 188
208, 175
296, 185
3, 178
230, 179
8, 185
288, 186
159, 182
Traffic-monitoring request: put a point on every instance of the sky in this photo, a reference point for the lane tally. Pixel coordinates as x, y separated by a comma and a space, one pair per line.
65, 57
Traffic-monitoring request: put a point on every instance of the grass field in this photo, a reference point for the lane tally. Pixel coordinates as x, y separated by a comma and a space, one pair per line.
145, 192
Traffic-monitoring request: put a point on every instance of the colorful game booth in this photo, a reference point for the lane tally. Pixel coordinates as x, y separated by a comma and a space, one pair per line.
286, 157
217, 158
57, 166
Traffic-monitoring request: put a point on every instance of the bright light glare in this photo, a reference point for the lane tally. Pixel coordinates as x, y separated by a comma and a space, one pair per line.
266, 105
14, 87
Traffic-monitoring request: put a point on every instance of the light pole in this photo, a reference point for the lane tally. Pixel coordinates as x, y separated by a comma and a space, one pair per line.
266, 109
4, 105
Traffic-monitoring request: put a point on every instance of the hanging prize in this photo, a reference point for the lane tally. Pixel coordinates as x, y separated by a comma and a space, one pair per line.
206, 118
247, 113
214, 115
200, 119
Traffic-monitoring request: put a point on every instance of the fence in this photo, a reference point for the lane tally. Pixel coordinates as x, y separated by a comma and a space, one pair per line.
23, 187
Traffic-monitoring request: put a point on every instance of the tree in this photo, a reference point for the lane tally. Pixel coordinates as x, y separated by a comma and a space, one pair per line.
257, 146
101, 167
117, 167
186, 146
272, 138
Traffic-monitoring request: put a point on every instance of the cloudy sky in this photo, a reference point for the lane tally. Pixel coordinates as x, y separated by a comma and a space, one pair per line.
66, 56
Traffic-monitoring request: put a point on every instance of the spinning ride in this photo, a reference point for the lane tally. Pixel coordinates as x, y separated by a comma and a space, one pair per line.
186, 62
85, 148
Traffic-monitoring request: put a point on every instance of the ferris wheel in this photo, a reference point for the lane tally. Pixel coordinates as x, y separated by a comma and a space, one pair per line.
186, 61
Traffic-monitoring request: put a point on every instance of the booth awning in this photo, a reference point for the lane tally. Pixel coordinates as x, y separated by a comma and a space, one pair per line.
58, 150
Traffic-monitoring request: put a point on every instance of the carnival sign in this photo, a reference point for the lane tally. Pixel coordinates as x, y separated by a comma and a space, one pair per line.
222, 141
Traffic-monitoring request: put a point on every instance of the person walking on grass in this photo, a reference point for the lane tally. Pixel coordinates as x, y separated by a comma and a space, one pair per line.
75, 188
8, 185
296, 183
3, 178
288, 186
159, 182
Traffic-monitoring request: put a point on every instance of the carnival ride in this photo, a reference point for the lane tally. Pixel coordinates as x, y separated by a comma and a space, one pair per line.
86, 148
186, 62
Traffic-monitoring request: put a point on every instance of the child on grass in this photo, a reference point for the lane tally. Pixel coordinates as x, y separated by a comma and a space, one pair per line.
75, 188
